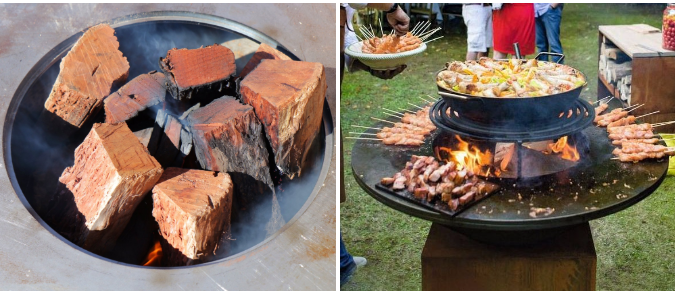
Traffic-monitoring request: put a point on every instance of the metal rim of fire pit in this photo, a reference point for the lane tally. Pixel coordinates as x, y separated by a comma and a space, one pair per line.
372, 161
60, 50
506, 133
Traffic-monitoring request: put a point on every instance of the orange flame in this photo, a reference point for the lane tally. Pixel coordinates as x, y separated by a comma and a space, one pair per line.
154, 256
469, 157
567, 152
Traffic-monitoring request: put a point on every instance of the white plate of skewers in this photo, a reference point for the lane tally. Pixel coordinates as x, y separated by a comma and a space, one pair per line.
390, 51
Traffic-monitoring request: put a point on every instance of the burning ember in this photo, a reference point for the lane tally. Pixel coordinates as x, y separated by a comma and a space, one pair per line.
563, 148
470, 157
485, 163
154, 256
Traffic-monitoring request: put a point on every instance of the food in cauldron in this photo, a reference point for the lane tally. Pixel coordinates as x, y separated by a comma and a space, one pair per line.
512, 78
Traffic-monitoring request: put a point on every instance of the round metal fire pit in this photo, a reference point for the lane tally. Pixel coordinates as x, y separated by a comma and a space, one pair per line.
299, 255
597, 186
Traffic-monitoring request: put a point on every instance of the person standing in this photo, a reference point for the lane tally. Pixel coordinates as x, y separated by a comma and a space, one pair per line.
514, 23
477, 18
548, 19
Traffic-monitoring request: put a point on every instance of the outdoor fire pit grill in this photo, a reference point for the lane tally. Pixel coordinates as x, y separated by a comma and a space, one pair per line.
34, 158
591, 187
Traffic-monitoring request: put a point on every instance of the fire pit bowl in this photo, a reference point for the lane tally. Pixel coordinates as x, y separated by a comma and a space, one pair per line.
35, 157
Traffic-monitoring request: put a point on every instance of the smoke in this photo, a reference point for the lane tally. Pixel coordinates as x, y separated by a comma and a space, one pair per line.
43, 145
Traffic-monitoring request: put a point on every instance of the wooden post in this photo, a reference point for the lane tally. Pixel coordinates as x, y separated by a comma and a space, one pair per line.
451, 260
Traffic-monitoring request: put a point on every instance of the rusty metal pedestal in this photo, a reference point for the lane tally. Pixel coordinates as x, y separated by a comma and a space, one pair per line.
452, 261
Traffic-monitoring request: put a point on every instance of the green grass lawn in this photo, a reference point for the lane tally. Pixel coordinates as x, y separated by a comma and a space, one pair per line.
635, 247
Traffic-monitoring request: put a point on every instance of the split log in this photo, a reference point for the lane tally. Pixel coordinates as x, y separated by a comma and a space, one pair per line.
287, 97
138, 94
229, 138
88, 73
192, 208
97, 196
264, 52
185, 69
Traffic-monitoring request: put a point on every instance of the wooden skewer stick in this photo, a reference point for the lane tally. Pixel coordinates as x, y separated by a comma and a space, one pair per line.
629, 107
433, 98
424, 100
392, 115
362, 138
635, 108
360, 126
665, 122
423, 28
412, 112
419, 107
374, 118
608, 100
379, 24
648, 114
434, 39
605, 98
429, 34
428, 23
415, 27
392, 111
362, 133
661, 124
366, 32
418, 27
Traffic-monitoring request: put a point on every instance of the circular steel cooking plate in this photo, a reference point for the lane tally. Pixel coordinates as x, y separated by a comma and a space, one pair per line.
36, 156
596, 187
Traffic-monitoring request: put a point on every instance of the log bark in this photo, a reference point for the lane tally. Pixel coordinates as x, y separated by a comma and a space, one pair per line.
287, 97
138, 94
229, 138
97, 196
88, 73
192, 208
264, 52
185, 69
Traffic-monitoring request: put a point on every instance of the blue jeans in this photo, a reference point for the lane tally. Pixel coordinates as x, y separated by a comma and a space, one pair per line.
347, 264
547, 32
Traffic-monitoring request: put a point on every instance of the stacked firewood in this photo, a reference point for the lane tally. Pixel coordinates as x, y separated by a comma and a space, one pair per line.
204, 154
616, 68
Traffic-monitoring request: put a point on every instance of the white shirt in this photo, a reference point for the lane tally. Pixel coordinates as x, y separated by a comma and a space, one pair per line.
541, 8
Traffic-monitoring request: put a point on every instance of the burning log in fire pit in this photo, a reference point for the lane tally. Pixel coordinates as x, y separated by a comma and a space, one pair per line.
287, 98
193, 210
97, 195
88, 72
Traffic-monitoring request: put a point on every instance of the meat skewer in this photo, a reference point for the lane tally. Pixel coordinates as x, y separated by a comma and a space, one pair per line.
617, 129
646, 140
393, 140
636, 157
390, 134
421, 131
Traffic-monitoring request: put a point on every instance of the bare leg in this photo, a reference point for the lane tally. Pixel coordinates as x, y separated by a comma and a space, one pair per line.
481, 54
471, 56
499, 55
